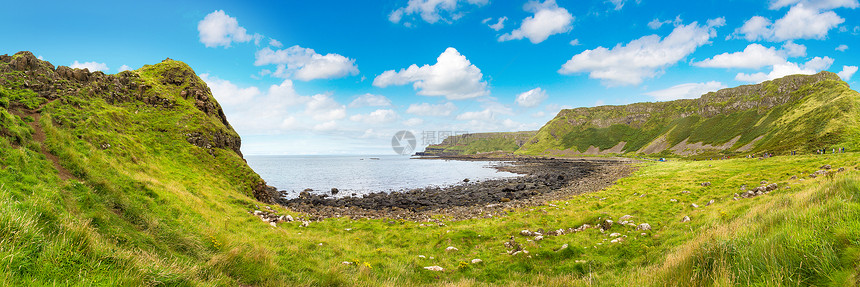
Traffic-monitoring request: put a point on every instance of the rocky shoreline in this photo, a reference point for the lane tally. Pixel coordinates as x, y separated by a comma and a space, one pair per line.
544, 179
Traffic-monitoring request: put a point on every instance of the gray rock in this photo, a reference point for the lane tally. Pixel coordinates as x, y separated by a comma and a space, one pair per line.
643, 226
685, 219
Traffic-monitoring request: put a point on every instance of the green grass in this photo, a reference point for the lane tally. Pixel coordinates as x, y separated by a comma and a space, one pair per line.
152, 209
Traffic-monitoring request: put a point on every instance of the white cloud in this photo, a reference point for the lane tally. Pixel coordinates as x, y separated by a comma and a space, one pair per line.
754, 56
539, 114
656, 23
620, 3
432, 11
847, 72
531, 98
575, 42
686, 91
499, 25
425, 109
548, 20
370, 100
491, 109
842, 48
757, 27
815, 4
219, 29
124, 68
91, 66
227, 93
411, 122
788, 68
306, 64
794, 50
275, 43
801, 22
718, 22
324, 108
642, 58
453, 77
326, 126
376, 117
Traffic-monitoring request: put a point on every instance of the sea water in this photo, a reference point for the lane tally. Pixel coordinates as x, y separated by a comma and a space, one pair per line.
359, 175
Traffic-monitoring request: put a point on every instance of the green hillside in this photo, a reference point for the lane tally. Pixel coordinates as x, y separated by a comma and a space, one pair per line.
795, 113
479, 143
136, 179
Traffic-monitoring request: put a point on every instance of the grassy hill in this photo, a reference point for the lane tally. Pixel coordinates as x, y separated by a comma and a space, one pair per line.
479, 143
135, 179
795, 113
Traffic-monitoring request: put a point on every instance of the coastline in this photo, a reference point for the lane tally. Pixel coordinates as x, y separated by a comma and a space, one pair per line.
543, 180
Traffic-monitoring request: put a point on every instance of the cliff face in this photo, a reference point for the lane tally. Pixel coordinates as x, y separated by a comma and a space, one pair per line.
160, 109
797, 112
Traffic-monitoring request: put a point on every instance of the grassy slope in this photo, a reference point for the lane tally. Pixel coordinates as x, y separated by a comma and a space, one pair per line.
483, 142
817, 115
154, 210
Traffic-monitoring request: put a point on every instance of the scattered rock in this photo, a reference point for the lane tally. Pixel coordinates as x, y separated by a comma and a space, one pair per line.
685, 219
346, 263
616, 234
841, 169
465, 180
693, 205
305, 223
709, 202
685, 191
273, 224
606, 225
422, 256
451, 248
477, 261
334, 191
826, 166
434, 268
707, 183
617, 240
644, 226
563, 247
539, 238
673, 200
763, 182
625, 217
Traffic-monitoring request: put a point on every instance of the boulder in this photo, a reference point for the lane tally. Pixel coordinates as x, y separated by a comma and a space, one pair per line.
826, 166
334, 191
643, 226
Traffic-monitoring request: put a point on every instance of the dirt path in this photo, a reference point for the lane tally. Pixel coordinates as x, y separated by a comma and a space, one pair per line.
40, 137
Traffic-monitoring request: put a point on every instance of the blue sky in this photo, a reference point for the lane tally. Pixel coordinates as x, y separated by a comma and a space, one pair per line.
342, 77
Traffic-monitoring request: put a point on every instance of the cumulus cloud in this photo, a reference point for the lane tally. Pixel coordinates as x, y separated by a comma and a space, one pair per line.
646, 57
305, 64
91, 66
548, 20
453, 77
275, 43
754, 56
227, 93
575, 42
686, 91
787, 68
531, 98
842, 48
411, 122
432, 11
815, 4
847, 72
370, 100
425, 109
489, 113
219, 29
499, 25
794, 50
376, 117
124, 68
618, 4
324, 108
803, 21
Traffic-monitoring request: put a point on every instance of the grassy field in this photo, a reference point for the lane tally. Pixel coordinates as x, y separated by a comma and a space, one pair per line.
141, 206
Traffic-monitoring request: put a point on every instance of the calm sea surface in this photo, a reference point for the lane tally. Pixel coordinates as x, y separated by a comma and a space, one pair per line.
362, 174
